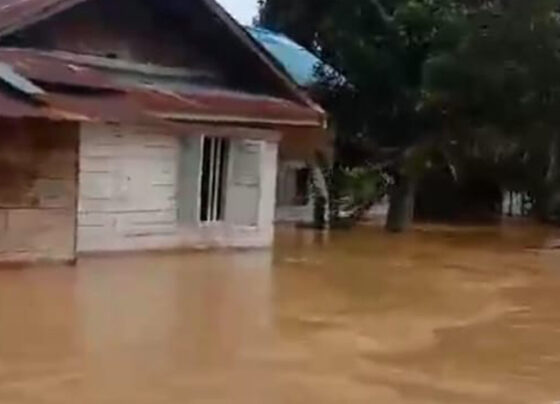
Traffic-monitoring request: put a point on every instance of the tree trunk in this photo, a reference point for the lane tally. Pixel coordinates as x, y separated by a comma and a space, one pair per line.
552, 173
549, 194
321, 200
401, 207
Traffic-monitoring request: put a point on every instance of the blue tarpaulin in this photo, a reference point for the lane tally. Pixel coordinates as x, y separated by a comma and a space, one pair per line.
300, 63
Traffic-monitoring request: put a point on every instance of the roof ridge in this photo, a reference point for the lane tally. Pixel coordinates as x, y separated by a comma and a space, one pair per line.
18, 14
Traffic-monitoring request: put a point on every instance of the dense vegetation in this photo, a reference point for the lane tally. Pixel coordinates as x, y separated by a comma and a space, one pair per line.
467, 92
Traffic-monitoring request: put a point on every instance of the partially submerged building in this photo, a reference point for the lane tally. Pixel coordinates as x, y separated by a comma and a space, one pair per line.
140, 124
296, 174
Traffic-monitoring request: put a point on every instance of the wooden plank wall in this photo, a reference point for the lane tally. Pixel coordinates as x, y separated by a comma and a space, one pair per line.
134, 182
128, 182
38, 166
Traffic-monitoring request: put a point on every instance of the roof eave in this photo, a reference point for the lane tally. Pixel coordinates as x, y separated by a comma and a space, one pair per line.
232, 119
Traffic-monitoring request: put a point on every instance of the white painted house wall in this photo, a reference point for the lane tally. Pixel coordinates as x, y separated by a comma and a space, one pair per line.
139, 190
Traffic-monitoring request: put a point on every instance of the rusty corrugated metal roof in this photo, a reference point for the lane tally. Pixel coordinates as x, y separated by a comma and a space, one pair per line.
12, 107
114, 108
223, 106
47, 68
12, 79
130, 102
16, 14
78, 108
146, 107
16, 10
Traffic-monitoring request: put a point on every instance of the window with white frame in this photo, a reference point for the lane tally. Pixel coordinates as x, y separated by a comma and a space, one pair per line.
213, 181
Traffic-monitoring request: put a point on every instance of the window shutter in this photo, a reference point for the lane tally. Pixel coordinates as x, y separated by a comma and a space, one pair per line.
189, 187
244, 191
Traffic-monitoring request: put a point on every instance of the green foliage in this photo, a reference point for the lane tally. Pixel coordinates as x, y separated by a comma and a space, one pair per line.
380, 48
298, 19
498, 94
363, 186
355, 191
462, 85
352, 191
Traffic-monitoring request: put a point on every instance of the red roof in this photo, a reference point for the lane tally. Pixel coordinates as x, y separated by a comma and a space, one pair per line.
116, 108
17, 14
11, 107
69, 107
224, 106
106, 100
47, 68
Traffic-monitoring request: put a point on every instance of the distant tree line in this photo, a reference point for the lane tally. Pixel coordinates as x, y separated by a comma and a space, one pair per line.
467, 89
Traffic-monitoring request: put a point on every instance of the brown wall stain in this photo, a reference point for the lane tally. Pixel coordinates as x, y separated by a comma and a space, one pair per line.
37, 190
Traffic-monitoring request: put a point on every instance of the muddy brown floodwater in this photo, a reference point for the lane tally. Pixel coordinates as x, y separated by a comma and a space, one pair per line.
440, 315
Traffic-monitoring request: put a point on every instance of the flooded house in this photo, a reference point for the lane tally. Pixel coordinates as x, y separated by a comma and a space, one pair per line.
296, 174
140, 125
